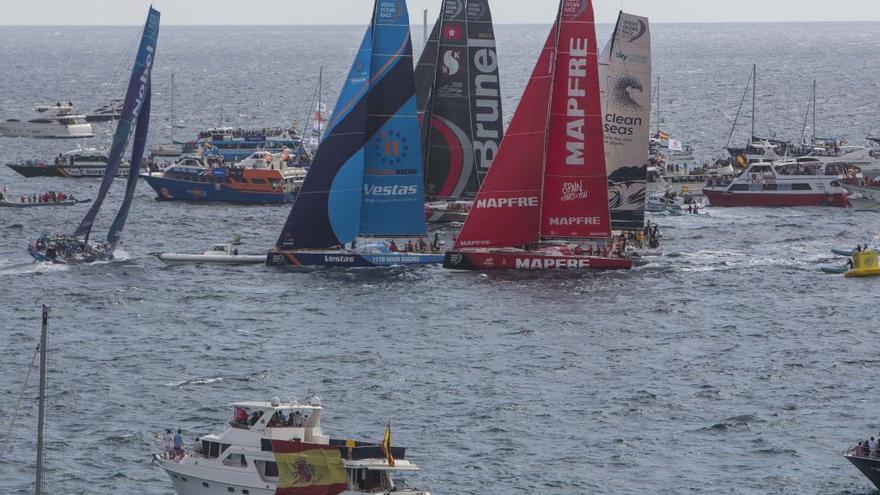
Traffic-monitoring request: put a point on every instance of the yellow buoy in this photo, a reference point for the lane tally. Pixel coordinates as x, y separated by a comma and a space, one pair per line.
864, 265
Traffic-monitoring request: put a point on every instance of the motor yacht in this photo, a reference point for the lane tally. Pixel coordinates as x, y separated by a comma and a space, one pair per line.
52, 122
242, 460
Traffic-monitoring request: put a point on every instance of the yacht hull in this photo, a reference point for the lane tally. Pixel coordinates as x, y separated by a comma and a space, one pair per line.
83, 171
348, 259
868, 466
725, 198
526, 261
180, 190
190, 259
45, 131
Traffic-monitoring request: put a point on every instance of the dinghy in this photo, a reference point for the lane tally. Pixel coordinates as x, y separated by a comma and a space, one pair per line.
459, 100
545, 203
222, 254
362, 202
77, 248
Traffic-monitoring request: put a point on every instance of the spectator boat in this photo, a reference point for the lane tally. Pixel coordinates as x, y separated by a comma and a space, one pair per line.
54, 122
778, 184
272, 446
78, 163
261, 178
865, 462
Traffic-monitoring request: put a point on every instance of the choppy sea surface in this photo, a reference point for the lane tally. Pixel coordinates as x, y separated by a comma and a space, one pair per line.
727, 365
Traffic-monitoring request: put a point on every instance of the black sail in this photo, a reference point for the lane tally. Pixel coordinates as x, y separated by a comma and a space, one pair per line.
459, 95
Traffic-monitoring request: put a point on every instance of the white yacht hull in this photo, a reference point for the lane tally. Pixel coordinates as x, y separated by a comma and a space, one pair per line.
192, 480
188, 259
46, 131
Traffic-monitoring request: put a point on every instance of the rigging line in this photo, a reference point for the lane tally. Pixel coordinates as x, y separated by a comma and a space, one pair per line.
738, 110
15, 411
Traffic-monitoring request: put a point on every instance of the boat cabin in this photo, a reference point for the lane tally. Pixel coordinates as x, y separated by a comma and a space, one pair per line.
782, 176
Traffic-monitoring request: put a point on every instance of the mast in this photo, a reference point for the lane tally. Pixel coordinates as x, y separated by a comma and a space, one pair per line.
425, 27
172, 107
754, 96
41, 419
658, 104
814, 110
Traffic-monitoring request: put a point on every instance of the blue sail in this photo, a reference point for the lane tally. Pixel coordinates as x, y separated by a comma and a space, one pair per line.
142, 128
393, 190
135, 98
366, 178
327, 209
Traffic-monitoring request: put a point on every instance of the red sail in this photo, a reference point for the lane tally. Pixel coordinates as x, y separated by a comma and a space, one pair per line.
575, 199
507, 210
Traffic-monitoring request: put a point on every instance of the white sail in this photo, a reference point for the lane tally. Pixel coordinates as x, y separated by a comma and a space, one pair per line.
625, 80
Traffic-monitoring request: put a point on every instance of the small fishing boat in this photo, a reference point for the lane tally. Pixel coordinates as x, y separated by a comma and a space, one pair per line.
364, 193
224, 254
53, 122
135, 120
458, 93
545, 203
267, 447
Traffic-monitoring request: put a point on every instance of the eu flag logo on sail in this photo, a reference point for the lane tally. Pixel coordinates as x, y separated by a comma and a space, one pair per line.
391, 147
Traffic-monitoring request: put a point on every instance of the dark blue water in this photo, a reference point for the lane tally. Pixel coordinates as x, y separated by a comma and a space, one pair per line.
728, 365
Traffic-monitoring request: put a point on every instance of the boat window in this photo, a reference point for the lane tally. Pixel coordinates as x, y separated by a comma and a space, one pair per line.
40, 121
769, 187
801, 187
214, 450
235, 460
258, 181
761, 168
271, 469
739, 187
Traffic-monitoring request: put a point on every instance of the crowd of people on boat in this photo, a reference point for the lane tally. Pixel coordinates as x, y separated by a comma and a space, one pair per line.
65, 247
419, 246
173, 445
867, 448
49, 197
720, 181
280, 419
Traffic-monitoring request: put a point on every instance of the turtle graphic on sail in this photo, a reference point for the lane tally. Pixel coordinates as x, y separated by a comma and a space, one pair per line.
362, 202
78, 248
625, 79
459, 99
544, 204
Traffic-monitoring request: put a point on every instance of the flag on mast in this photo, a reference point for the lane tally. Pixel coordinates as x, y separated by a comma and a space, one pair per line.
386, 445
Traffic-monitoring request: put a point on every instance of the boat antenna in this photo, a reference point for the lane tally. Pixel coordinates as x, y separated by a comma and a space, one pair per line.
754, 96
658, 104
172, 107
41, 418
814, 110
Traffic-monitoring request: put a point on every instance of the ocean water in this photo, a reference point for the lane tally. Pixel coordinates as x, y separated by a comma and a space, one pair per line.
727, 365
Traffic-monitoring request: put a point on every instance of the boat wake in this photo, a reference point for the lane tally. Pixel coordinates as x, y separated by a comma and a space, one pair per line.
243, 377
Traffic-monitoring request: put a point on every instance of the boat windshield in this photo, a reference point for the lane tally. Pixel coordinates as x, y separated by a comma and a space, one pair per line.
284, 417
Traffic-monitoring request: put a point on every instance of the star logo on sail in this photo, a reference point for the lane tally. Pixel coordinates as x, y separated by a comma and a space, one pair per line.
452, 32
391, 147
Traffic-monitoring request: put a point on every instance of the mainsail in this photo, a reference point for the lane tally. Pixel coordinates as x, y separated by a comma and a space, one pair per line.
366, 178
136, 108
548, 180
459, 99
625, 76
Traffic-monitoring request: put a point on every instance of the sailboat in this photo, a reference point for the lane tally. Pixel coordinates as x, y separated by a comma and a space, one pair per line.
625, 79
544, 203
135, 118
459, 99
362, 202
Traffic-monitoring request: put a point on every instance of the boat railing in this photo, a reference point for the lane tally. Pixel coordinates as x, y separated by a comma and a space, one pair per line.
862, 452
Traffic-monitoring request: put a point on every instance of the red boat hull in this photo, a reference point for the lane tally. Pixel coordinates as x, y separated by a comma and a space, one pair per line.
726, 199
525, 261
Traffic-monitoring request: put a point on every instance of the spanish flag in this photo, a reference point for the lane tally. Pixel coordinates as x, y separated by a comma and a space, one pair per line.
309, 469
386, 445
